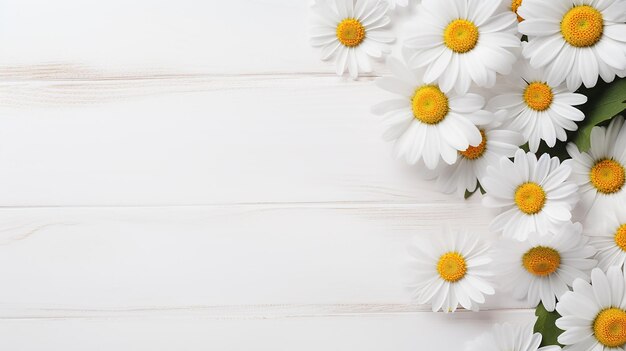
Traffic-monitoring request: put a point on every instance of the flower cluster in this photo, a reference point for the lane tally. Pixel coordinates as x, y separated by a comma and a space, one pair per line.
519, 101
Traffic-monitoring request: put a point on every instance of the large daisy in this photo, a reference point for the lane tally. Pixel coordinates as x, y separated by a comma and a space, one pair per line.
594, 316
451, 269
471, 167
533, 194
539, 110
600, 172
576, 40
508, 337
352, 33
544, 266
606, 230
460, 41
427, 123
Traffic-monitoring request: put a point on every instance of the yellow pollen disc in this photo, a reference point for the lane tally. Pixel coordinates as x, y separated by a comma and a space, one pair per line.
515, 4
620, 237
461, 36
541, 261
582, 26
451, 267
350, 32
530, 198
430, 104
607, 176
609, 327
474, 152
538, 96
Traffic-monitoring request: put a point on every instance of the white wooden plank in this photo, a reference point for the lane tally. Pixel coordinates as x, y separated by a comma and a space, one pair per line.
405, 332
198, 140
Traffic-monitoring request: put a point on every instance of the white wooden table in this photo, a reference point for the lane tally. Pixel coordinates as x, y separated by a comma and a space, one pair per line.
187, 175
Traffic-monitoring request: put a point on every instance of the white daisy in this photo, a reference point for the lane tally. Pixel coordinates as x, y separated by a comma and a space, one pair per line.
427, 123
606, 230
599, 172
576, 40
451, 269
507, 337
534, 195
539, 110
460, 41
471, 167
352, 32
594, 316
544, 266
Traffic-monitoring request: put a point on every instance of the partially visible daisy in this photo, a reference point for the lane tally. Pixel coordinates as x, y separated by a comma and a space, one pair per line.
352, 32
451, 269
594, 316
402, 3
507, 337
427, 123
600, 172
606, 230
533, 194
460, 41
471, 167
544, 266
576, 40
539, 110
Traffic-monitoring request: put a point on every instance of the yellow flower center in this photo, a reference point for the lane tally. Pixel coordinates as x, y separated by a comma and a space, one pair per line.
530, 198
620, 237
582, 26
451, 267
350, 32
430, 104
461, 36
609, 327
541, 261
538, 96
515, 4
474, 152
607, 176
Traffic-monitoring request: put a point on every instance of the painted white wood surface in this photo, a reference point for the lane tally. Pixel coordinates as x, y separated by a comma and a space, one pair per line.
188, 175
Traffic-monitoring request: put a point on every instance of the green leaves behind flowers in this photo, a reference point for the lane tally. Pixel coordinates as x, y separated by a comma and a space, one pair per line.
546, 326
605, 101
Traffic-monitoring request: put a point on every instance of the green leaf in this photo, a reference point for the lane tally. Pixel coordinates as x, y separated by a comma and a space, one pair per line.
606, 100
469, 194
546, 326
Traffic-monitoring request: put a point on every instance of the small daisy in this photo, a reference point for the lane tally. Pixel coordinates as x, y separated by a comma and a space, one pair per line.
600, 172
594, 316
575, 40
507, 337
460, 41
427, 123
537, 109
544, 266
534, 195
451, 269
352, 32
606, 230
472, 164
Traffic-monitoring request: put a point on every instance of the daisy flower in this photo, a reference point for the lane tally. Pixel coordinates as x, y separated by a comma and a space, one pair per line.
451, 269
539, 110
471, 167
599, 172
575, 40
427, 123
594, 316
460, 41
533, 194
351, 32
544, 266
606, 230
507, 337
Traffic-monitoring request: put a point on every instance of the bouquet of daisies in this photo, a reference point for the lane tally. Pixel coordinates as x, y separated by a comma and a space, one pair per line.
521, 101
